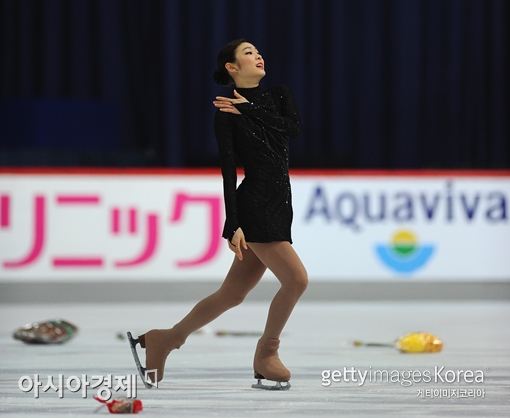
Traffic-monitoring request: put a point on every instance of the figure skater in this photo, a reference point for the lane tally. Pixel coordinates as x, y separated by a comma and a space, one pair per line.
252, 126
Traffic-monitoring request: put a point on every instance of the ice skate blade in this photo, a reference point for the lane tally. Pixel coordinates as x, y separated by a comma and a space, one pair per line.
142, 370
277, 386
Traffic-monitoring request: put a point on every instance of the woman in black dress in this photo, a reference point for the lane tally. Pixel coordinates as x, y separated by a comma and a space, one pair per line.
253, 126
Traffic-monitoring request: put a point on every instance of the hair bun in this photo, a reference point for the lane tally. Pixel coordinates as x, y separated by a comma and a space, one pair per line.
221, 77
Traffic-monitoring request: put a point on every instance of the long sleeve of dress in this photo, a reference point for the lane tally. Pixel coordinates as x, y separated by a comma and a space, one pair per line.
223, 129
287, 121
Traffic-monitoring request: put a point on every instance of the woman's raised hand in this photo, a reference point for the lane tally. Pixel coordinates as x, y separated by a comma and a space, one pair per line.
237, 242
227, 104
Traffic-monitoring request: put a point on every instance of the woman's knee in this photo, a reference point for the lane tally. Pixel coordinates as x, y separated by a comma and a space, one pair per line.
302, 280
299, 281
236, 299
232, 297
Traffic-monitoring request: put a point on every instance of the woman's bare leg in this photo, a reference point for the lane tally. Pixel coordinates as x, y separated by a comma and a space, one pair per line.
286, 265
283, 261
242, 277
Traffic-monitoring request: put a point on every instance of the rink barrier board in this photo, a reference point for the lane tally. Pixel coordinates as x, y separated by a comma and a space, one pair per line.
135, 224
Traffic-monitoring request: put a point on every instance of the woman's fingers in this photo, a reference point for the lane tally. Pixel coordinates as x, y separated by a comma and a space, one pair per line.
243, 243
237, 242
236, 248
223, 104
224, 99
227, 104
239, 253
231, 101
226, 107
231, 109
239, 98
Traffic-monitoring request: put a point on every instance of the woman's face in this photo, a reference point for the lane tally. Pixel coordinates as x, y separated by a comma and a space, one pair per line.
249, 63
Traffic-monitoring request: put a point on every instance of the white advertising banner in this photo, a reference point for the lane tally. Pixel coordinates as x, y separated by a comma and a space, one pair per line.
403, 227
167, 226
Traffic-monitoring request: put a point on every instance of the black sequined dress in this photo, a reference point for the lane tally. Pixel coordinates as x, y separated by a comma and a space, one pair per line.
259, 140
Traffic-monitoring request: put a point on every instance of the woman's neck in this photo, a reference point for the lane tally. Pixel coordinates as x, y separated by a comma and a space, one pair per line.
247, 83
246, 86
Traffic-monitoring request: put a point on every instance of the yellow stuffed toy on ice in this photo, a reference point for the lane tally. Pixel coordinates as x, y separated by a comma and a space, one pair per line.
413, 342
419, 342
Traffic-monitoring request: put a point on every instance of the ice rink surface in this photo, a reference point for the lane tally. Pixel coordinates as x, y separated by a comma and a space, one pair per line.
212, 375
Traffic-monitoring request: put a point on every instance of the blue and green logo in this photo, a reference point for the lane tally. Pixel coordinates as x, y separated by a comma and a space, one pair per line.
403, 254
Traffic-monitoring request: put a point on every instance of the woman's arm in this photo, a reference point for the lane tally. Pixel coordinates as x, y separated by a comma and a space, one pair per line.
223, 130
288, 121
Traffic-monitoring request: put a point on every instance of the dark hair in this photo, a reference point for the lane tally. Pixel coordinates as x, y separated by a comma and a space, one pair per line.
227, 54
